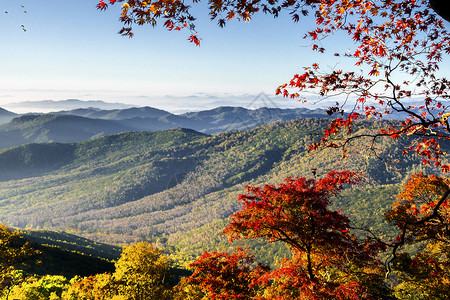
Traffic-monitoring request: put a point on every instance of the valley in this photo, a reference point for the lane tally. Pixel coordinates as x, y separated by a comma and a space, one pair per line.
178, 187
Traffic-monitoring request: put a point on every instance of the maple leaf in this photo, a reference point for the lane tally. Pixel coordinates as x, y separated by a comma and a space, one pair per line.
194, 39
102, 5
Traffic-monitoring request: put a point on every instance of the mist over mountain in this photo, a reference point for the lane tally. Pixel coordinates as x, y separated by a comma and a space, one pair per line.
54, 105
6, 116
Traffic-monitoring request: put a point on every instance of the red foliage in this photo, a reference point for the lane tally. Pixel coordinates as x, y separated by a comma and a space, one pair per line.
293, 211
422, 212
194, 39
175, 13
296, 213
402, 39
227, 276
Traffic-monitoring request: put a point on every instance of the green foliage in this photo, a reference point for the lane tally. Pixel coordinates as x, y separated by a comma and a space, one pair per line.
49, 287
72, 243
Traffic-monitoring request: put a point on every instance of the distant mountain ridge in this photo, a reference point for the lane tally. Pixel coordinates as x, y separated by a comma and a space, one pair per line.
55, 128
87, 123
6, 116
116, 114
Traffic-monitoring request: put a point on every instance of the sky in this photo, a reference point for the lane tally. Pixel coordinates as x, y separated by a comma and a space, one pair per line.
71, 50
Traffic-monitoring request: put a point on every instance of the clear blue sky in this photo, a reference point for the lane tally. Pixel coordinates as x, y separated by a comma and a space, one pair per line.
72, 50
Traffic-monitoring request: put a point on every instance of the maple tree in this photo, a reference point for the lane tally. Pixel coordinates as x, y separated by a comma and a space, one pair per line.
399, 46
325, 255
423, 216
227, 276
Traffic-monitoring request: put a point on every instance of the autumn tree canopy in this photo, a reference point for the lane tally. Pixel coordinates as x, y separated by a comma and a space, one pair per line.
227, 276
142, 272
327, 261
15, 252
422, 215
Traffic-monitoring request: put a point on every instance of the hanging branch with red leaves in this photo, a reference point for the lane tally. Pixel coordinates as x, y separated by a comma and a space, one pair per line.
399, 46
174, 14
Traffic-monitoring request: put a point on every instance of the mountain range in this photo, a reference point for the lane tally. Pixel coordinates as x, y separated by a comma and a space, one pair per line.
88, 123
123, 175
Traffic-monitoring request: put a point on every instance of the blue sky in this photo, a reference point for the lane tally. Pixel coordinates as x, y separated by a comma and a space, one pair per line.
72, 50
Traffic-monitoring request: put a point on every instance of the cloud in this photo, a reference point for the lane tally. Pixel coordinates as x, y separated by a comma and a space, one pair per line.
203, 101
174, 103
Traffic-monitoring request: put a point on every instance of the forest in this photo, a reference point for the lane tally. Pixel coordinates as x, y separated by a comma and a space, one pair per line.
353, 207
148, 185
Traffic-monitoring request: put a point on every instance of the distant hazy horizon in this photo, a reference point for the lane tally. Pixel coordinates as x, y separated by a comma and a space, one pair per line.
173, 104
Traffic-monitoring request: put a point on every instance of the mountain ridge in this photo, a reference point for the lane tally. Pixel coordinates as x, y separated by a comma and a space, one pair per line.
84, 124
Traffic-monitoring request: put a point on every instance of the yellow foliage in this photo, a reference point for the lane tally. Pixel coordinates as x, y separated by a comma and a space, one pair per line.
142, 272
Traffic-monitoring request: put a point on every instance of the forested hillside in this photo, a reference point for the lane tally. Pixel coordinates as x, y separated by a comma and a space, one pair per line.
178, 187
6, 116
55, 128
87, 123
